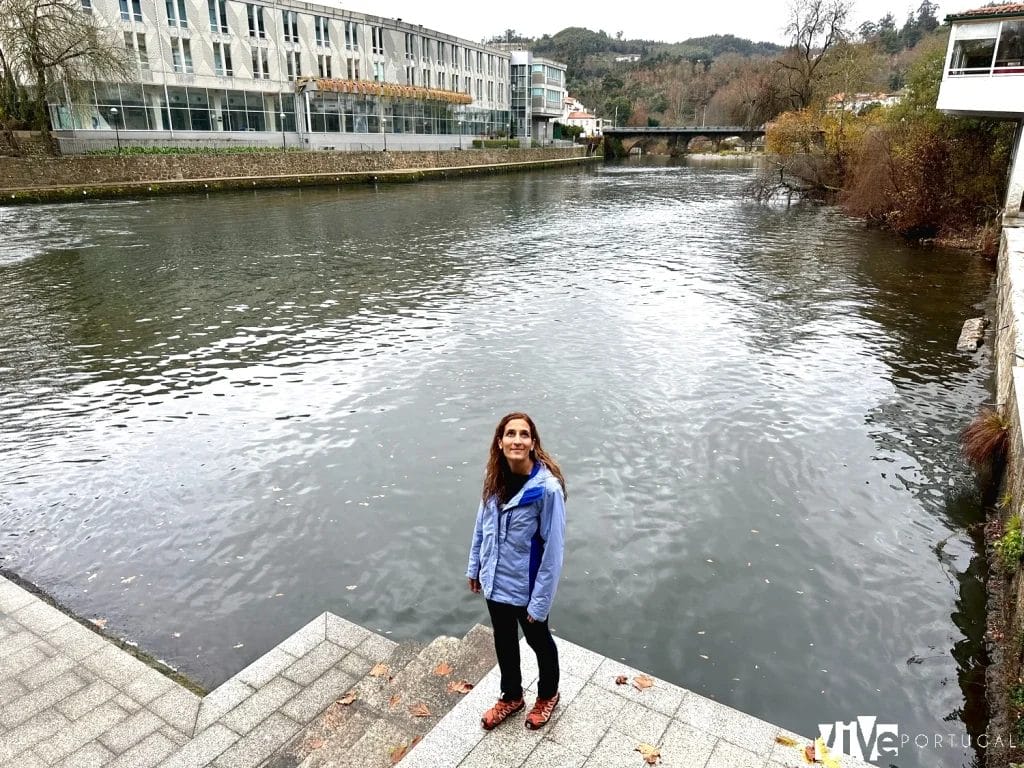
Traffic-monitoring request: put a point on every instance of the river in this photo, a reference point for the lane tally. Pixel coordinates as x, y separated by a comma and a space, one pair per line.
221, 416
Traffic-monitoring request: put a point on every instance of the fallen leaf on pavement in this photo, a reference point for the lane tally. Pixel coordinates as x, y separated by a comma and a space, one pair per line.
394, 701
101, 623
460, 686
785, 741
621, 680
442, 669
399, 752
642, 681
650, 754
420, 710
316, 743
379, 670
348, 698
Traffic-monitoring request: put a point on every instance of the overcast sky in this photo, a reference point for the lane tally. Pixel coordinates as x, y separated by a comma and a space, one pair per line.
645, 19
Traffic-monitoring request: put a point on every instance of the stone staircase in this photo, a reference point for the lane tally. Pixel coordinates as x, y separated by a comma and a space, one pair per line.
373, 730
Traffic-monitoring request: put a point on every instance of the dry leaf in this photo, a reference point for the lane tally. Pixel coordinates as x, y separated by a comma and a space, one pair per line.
348, 698
460, 686
101, 623
785, 741
399, 752
379, 670
394, 701
642, 681
316, 743
650, 754
420, 710
809, 753
442, 669
621, 680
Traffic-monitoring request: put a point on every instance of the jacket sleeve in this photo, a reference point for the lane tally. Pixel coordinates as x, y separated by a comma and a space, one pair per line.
473, 569
552, 531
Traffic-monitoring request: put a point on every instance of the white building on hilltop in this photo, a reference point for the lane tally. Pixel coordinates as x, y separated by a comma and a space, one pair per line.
255, 71
984, 77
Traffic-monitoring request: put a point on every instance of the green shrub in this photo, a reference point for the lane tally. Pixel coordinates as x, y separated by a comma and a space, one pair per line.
239, 150
1010, 546
1017, 696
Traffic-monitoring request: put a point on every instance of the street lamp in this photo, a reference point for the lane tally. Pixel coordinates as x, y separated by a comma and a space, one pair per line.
384, 131
284, 143
117, 132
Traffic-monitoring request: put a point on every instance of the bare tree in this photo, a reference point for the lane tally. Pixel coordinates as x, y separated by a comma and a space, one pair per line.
814, 27
46, 45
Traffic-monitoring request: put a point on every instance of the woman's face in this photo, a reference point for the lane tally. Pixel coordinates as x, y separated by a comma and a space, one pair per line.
516, 442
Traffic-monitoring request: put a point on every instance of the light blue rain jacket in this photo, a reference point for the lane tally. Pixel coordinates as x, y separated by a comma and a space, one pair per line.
517, 547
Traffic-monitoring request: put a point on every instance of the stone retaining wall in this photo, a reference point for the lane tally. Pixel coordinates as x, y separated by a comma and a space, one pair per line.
34, 172
1006, 596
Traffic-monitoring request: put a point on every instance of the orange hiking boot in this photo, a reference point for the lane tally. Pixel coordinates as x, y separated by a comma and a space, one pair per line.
541, 712
500, 712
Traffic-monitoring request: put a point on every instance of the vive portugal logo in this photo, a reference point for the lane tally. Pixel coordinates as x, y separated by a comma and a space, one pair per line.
864, 738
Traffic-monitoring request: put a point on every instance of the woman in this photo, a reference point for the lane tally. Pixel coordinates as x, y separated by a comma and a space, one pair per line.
515, 560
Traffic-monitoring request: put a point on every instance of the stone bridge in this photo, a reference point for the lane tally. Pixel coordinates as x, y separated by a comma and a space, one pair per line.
678, 137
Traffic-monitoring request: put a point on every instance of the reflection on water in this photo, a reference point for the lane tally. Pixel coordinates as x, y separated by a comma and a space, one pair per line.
223, 416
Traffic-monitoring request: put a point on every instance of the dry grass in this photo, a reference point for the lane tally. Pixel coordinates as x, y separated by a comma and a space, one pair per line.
984, 442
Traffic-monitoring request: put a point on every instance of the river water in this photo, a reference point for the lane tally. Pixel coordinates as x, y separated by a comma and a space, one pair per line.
222, 416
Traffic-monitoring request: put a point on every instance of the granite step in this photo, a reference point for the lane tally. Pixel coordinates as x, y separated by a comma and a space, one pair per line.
372, 730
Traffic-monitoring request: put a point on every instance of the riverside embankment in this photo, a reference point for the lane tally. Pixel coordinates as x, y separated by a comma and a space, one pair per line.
1006, 590
52, 179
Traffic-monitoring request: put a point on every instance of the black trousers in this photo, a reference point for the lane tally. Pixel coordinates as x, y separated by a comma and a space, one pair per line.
506, 620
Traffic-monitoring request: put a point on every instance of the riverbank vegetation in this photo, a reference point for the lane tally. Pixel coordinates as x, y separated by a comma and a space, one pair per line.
850, 113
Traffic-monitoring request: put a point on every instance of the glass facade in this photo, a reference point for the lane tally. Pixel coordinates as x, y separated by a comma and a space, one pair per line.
179, 108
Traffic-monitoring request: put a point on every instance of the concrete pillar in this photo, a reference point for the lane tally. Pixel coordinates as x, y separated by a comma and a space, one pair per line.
1015, 185
156, 112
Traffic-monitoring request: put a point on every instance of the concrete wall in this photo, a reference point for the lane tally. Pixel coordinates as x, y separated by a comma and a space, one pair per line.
33, 172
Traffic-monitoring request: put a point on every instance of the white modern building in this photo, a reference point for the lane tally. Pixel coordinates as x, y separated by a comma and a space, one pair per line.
288, 71
538, 93
984, 77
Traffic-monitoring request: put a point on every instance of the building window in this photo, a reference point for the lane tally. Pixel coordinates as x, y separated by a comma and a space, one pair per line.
176, 16
455, 57
290, 21
480, 62
490, 90
351, 36
455, 82
442, 81
426, 78
425, 51
440, 53
352, 68
181, 56
135, 45
131, 10
469, 60
1010, 54
323, 65
323, 31
377, 36
378, 71
410, 46
222, 60
218, 16
260, 63
479, 88
490, 64
293, 59
87, 6
410, 75
257, 24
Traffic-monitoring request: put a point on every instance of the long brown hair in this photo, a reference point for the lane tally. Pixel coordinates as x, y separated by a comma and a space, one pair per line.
497, 464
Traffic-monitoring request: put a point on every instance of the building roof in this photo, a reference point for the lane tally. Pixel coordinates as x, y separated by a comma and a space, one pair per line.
989, 12
580, 116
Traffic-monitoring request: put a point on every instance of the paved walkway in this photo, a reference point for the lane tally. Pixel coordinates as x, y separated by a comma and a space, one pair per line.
70, 698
